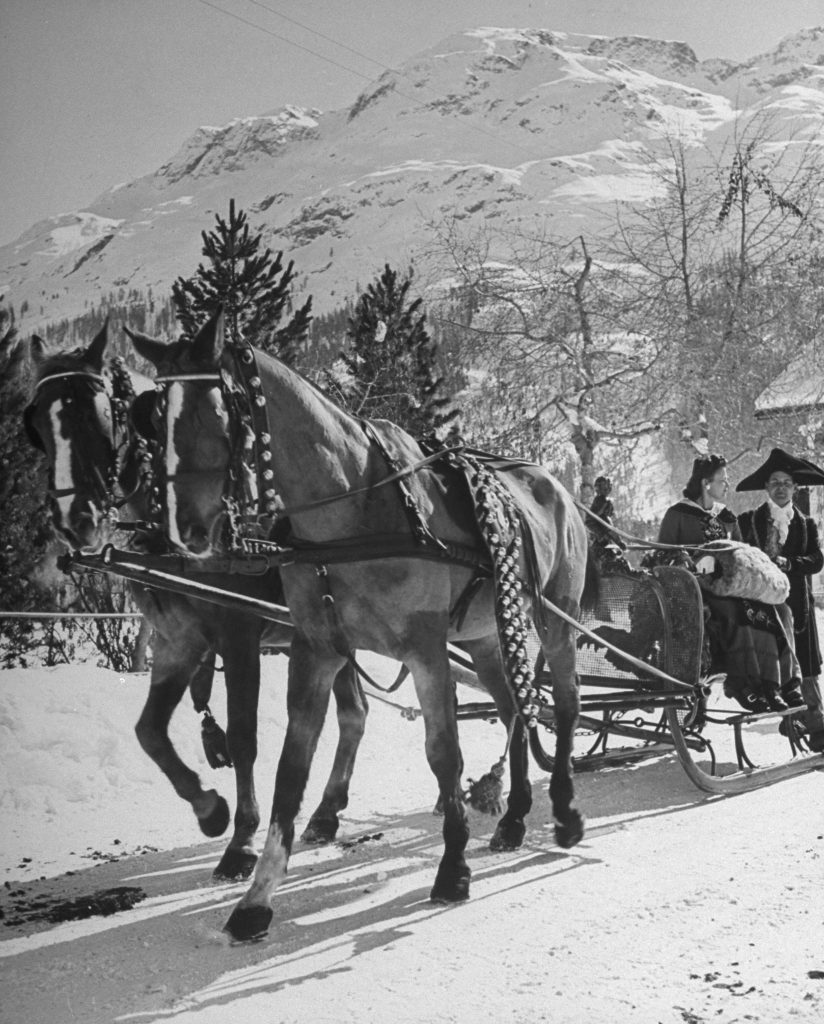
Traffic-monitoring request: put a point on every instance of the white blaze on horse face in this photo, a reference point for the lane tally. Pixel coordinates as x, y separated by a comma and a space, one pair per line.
63, 480
174, 408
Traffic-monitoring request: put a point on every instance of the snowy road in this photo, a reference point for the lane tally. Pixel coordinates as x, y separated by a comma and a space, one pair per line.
676, 908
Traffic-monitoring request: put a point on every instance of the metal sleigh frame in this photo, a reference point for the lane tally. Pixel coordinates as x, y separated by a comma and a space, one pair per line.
666, 685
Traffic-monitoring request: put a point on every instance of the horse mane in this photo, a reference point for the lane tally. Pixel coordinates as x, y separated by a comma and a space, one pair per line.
316, 388
398, 434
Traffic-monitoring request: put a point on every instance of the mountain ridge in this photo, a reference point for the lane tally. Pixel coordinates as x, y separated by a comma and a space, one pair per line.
492, 126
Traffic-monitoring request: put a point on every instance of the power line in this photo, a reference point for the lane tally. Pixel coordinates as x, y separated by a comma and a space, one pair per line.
290, 42
283, 39
320, 35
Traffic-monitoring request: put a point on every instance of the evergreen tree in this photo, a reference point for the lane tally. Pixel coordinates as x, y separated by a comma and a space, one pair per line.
24, 515
252, 285
392, 361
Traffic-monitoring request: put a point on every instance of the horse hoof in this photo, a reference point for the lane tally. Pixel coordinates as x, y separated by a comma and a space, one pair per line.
320, 831
217, 820
452, 886
509, 835
235, 864
570, 832
249, 924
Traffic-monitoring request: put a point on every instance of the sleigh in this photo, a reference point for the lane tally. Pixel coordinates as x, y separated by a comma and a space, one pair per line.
263, 486
643, 695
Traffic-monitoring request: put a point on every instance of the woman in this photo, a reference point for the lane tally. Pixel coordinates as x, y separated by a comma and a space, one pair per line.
748, 639
701, 515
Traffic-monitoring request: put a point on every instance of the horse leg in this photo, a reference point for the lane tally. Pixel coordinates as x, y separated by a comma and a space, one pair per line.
559, 650
429, 665
510, 831
311, 674
351, 710
240, 647
171, 672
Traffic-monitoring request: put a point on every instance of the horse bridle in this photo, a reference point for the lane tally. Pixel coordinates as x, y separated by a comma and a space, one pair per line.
117, 405
249, 454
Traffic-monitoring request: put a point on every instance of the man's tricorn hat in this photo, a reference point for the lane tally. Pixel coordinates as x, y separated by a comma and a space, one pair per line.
803, 472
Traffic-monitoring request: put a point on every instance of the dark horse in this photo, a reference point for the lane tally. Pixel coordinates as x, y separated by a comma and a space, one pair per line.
71, 419
397, 605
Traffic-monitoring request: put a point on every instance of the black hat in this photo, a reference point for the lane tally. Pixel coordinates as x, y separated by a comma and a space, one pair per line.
803, 472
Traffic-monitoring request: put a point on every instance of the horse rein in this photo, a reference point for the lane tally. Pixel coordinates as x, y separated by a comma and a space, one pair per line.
639, 543
245, 363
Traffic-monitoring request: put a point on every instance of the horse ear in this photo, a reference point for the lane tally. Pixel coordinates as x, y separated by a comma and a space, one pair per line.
94, 353
140, 415
150, 348
208, 343
38, 348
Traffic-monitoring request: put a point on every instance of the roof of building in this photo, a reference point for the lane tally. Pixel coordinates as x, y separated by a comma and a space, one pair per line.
800, 388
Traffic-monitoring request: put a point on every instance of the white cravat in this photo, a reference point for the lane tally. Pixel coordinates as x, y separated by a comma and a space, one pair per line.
781, 517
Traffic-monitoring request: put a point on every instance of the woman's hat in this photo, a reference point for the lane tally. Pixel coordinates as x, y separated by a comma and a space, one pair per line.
803, 472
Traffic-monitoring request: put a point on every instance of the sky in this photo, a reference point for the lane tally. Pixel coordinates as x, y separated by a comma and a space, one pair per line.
97, 92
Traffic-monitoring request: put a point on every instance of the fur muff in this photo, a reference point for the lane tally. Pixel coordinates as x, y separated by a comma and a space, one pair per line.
745, 571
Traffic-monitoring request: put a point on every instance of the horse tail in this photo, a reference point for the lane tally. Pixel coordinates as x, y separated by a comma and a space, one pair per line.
592, 583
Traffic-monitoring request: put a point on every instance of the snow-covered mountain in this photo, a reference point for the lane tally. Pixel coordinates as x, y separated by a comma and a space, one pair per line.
501, 126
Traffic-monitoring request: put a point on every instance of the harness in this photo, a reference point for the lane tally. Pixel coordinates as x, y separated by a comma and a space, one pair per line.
253, 508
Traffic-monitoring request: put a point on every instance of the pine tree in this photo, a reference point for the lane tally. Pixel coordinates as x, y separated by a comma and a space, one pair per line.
252, 285
392, 361
24, 515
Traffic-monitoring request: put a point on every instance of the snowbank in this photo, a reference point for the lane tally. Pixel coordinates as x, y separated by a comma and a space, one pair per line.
75, 784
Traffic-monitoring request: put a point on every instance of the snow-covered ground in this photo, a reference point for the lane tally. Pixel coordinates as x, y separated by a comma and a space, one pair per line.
675, 908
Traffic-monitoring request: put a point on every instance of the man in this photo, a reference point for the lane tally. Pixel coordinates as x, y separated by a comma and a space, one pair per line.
607, 547
790, 538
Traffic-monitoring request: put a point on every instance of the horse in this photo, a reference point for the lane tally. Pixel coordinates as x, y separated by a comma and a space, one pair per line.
92, 453
327, 468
